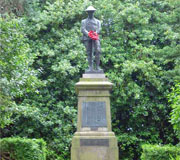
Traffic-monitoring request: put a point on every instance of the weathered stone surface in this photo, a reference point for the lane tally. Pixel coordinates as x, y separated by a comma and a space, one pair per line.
93, 84
93, 140
94, 153
94, 75
107, 151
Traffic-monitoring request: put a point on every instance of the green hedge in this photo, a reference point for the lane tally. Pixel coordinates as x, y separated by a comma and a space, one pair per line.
22, 149
156, 152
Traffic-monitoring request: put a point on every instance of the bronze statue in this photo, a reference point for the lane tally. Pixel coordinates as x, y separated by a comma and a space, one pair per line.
90, 27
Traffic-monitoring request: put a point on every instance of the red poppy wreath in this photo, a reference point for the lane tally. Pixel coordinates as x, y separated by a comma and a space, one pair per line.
93, 35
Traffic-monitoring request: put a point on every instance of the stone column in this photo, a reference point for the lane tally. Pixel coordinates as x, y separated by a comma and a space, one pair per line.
94, 139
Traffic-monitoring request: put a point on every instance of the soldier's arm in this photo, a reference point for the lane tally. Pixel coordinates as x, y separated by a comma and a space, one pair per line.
83, 28
99, 27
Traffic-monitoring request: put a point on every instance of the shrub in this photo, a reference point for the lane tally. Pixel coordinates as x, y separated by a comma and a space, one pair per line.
156, 152
17, 77
129, 146
22, 149
174, 99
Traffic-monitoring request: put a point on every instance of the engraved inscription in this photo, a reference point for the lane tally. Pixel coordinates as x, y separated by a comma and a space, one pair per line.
94, 142
94, 114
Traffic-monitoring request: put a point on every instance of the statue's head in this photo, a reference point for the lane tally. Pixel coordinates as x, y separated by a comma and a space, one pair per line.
90, 10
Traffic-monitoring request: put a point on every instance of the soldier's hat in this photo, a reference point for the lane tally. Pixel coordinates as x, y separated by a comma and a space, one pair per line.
90, 8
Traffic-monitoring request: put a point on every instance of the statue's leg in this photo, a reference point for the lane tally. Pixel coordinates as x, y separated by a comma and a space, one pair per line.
97, 47
88, 45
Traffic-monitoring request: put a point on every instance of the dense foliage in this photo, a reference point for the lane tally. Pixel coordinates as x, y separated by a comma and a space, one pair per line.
140, 55
22, 149
17, 77
156, 152
174, 98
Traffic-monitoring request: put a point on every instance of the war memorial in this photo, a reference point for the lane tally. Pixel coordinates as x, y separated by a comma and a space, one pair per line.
94, 139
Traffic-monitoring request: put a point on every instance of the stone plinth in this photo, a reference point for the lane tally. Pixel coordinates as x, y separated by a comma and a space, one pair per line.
94, 139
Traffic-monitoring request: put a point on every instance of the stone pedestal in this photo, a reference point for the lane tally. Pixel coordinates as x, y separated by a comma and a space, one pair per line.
94, 139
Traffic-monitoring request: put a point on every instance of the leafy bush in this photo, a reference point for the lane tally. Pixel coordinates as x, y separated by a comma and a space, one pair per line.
17, 77
177, 158
129, 146
174, 99
156, 152
22, 149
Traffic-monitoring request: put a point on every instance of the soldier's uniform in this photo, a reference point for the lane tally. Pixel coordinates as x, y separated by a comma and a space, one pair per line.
86, 26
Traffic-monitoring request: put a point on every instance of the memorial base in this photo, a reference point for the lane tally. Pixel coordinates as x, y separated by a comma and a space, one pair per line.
94, 139
94, 148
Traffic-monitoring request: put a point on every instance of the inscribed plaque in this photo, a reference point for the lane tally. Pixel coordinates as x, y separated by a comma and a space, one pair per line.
94, 114
94, 142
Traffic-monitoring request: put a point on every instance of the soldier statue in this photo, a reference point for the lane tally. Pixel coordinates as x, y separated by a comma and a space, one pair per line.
90, 27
